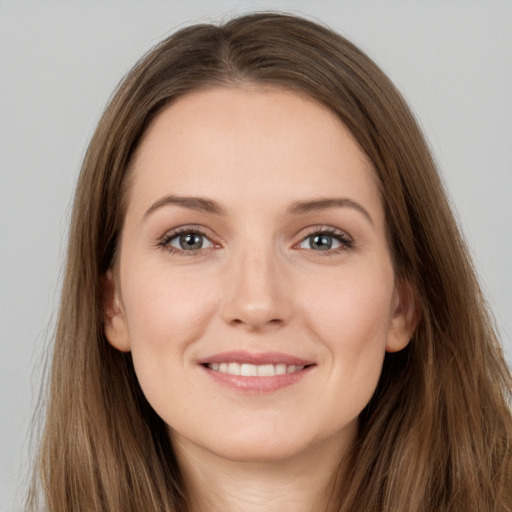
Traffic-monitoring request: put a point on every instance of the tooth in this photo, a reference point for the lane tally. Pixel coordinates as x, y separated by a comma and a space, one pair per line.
248, 370
280, 369
266, 370
252, 370
234, 368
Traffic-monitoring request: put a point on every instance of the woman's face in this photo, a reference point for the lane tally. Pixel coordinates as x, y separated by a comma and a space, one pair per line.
255, 286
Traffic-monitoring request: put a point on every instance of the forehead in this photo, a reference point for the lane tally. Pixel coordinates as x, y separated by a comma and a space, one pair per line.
248, 143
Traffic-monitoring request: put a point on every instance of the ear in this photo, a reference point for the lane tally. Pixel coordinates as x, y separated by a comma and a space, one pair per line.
405, 317
116, 330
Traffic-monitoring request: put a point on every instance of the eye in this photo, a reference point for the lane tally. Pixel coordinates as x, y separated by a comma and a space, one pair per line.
186, 241
334, 241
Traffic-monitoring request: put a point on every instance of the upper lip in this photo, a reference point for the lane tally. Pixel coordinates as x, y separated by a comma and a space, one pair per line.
239, 356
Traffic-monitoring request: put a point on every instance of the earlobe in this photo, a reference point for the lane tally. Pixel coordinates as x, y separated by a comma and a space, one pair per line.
115, 327
404, 319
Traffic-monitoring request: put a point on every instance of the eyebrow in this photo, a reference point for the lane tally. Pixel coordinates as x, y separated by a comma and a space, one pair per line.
297, 208
192, 203
302, 207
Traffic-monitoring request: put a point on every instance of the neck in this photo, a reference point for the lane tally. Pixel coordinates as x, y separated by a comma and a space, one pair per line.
303, 483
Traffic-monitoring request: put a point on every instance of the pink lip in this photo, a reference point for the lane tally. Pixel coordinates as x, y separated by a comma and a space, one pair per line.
256, 385
239, 356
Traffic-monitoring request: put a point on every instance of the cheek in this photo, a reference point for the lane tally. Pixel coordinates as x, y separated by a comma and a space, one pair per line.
165, 314
352, 319
165, 311
347, 303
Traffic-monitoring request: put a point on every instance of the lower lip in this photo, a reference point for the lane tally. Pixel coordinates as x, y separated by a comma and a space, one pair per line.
257, 385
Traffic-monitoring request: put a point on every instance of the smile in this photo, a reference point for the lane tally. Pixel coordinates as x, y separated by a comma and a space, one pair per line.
260, 373
254, 370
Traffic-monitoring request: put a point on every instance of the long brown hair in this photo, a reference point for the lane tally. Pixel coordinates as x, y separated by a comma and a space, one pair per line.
437, 434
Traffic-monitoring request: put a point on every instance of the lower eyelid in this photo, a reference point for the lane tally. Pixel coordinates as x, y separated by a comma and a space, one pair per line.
343, 244
176, 238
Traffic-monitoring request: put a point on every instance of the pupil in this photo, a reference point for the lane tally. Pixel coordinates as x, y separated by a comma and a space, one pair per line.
321, 242
191, 241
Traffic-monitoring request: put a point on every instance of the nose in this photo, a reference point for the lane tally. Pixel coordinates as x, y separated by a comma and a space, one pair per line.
257, 292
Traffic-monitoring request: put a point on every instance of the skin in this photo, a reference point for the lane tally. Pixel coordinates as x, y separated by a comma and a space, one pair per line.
258, 284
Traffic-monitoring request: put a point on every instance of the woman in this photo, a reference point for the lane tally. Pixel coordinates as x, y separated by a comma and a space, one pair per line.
267, 303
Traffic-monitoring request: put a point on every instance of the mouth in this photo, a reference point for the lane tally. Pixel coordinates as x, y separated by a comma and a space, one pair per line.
256, 373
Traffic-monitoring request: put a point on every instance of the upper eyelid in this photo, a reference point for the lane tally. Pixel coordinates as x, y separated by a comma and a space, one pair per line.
186, 228
311, 230
176, 234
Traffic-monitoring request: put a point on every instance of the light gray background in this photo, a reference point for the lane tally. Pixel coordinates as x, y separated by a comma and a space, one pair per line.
59, 62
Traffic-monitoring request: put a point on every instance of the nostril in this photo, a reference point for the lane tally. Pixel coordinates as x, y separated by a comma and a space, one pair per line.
259, 324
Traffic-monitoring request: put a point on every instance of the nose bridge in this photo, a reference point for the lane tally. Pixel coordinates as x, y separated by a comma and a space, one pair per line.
258, 288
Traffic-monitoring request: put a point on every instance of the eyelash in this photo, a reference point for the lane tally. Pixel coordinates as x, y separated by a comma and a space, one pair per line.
164, 242
344, 240
346, 243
